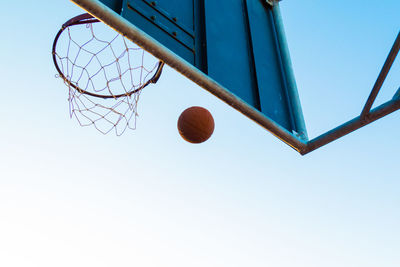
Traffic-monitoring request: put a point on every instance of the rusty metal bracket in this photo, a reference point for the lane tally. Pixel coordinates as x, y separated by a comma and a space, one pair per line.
272, 2
381, 78
367, 115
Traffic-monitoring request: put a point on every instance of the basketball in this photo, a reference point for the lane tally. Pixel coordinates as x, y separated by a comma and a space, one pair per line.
196, 125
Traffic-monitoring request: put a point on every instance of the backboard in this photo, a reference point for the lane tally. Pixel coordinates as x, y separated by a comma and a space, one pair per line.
235, 49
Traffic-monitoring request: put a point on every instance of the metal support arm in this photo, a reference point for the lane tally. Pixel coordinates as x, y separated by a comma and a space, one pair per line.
350, 126
381, 78
367, 115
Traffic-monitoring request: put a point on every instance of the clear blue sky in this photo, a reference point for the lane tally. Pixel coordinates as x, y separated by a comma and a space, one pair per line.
70, 196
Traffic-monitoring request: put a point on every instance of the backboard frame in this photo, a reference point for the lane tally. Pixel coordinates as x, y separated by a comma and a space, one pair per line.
297, 140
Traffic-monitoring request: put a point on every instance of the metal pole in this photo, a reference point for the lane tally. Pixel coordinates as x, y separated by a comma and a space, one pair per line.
382, 76
350, 126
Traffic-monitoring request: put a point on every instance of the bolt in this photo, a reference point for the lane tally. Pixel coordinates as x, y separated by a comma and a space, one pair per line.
174, 34
153, 17
175, 19
154, 3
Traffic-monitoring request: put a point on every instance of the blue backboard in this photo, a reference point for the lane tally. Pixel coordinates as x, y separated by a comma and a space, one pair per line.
236, 49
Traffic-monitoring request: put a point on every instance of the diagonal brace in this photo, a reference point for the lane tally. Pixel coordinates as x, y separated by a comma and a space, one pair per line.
381, 78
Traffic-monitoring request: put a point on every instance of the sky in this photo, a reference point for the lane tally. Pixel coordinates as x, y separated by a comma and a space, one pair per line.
70, 196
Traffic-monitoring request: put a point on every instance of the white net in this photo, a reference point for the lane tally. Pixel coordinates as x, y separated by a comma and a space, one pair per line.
104, 72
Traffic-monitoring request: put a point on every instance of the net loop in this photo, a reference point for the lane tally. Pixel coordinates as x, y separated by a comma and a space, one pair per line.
104, 72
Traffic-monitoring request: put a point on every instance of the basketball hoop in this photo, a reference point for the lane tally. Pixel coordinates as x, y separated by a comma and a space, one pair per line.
105, 73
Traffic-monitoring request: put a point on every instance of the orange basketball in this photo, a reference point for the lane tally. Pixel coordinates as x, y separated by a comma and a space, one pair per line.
196, 124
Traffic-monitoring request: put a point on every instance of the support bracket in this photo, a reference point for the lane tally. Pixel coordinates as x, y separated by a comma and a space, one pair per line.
272, 2
367, 115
